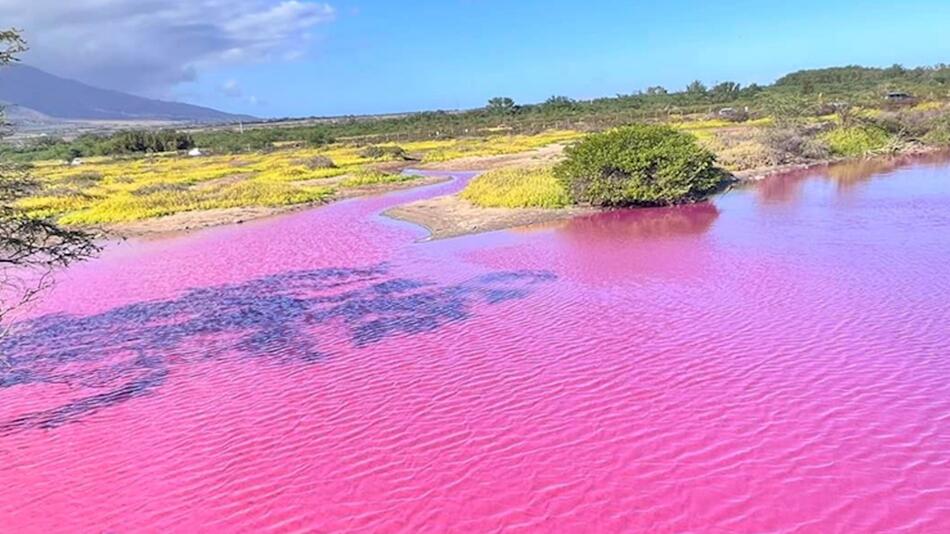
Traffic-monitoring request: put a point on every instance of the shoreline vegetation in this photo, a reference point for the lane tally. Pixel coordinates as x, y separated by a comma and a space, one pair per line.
541, 162
451, 216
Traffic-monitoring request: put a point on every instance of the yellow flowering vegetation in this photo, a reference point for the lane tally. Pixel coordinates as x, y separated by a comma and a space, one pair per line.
115, 190
495, 145
517, 188
369, 177
121, 190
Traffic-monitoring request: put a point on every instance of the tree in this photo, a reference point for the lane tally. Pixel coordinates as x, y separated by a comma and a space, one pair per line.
808, 87
785, 108
501, 104
752, 89
142, 141
31, 248
696, 88
726, 90
895, 71
559, 102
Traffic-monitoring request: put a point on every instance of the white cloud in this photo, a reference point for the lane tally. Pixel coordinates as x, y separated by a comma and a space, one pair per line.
232, 89
149, 46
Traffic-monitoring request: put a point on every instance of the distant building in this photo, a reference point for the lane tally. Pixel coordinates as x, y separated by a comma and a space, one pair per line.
733, 114
899, 99
898, 96
194, 152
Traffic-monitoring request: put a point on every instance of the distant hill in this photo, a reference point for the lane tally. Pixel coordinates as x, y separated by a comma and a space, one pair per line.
19, 114
43, 94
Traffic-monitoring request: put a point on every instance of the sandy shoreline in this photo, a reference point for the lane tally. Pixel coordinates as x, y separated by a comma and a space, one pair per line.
196, 220
453, 216
446, 216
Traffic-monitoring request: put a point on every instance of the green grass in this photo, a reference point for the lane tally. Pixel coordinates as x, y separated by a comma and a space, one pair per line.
517, 188
856, 140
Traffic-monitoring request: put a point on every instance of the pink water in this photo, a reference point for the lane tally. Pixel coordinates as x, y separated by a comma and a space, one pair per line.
775, 361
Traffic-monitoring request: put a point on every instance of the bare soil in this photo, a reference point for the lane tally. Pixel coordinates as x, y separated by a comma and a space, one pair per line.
453, 216
189, 220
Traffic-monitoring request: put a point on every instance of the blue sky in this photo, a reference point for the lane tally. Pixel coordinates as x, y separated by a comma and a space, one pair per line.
300, 57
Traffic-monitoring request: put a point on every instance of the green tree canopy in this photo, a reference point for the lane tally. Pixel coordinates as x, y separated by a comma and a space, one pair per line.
501, 103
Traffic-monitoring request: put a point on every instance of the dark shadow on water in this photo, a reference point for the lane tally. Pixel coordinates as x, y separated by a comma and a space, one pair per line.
130, 351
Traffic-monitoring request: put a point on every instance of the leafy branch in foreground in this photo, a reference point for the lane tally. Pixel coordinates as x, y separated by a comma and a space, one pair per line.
31, 248
11, 44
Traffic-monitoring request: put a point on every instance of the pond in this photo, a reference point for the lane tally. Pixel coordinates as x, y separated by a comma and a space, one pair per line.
774, 360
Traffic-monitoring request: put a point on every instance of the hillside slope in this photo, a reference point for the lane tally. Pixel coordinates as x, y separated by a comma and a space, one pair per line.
61, 98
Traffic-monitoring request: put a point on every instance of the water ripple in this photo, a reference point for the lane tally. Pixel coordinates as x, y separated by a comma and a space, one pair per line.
773, 362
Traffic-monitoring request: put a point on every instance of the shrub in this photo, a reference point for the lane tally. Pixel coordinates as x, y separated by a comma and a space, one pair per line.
83, 179
907, 124
320, 162
735, 115
939, 132
794, 144
738, 149
927, 123
517, 188
640, 165
384, 152
317, 137
141, 141
743, 156
856, 140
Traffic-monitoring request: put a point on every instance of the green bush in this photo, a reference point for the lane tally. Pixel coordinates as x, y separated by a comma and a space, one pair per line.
856, 140
142, 141
640, 165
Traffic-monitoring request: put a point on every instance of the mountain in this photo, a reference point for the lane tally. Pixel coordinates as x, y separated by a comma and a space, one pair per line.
33, 90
